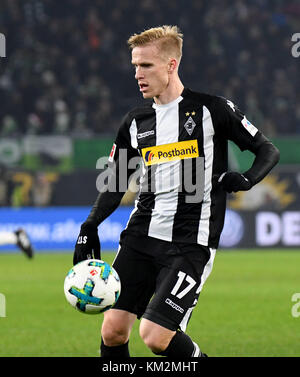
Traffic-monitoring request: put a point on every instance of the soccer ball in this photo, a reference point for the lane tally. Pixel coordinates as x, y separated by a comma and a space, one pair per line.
92, 286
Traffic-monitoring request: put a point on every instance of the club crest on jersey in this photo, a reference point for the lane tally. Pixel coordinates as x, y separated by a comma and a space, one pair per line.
189, 125
160, 154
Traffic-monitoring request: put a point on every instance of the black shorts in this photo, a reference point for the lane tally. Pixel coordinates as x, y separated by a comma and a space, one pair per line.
160, 280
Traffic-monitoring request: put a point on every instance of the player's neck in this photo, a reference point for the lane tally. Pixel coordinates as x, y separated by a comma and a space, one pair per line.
173, 91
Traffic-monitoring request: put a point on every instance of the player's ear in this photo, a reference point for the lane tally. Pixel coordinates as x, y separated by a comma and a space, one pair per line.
172, 65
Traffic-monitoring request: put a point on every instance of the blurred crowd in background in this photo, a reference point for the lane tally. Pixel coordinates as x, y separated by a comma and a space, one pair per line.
68, 70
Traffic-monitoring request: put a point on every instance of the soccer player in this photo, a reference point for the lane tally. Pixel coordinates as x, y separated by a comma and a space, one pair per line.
168, 247
19, 238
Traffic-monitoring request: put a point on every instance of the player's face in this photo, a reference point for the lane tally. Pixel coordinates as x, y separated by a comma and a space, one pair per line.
151, 70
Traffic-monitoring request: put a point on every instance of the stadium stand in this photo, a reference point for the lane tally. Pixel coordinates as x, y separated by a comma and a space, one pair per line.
68, 68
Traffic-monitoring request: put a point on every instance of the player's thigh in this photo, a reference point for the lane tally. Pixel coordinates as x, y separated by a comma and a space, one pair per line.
178, 288
120, 320
137, 274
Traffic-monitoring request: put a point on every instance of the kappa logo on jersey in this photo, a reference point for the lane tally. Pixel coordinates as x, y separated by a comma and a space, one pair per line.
170, 152
249, 126
145, 134
230, 104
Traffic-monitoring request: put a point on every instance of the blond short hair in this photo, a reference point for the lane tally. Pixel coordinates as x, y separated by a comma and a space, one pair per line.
169, 38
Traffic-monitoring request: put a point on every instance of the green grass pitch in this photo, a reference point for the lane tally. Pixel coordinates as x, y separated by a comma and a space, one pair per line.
245, 308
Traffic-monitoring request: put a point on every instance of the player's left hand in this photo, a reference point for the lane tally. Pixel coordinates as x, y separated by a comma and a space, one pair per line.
87, 244
234, 182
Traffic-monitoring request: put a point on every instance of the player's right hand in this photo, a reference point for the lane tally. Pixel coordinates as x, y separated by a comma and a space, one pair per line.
87, 244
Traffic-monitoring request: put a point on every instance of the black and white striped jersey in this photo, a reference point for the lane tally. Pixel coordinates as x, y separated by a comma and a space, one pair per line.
182, 145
